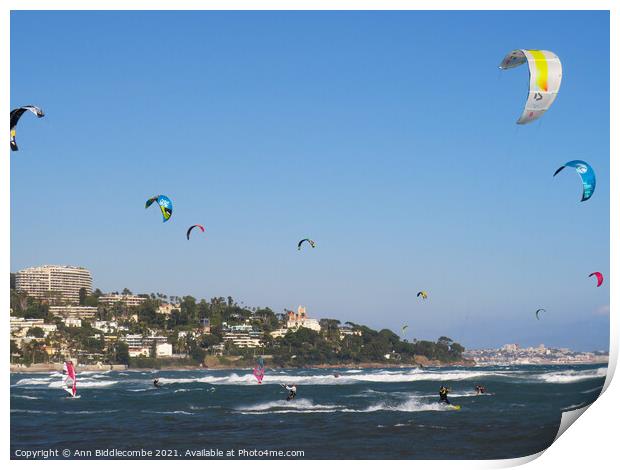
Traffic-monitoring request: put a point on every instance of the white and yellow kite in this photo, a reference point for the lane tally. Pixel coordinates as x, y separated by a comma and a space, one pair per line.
545, 79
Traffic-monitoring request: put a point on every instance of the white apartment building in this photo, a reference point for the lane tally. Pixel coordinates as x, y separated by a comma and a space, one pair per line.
141, 346
134, 341
243, 340
128, 300
243, 336
50, 280
75, 311
163, 350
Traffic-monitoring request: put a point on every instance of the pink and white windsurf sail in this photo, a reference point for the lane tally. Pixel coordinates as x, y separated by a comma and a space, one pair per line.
70, 379
259, 373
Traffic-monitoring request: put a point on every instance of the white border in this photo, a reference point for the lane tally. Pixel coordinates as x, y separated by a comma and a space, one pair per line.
590, 443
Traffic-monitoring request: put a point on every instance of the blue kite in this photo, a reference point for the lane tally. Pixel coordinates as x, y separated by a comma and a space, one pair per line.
587, 176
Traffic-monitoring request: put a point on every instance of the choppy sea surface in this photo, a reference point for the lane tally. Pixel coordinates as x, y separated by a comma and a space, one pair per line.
360, 414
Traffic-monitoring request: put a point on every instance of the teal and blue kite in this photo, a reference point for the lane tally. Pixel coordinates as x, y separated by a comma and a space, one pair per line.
587, 176
165, 204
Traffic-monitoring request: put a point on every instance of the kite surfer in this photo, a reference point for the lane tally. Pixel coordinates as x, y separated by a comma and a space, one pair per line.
443, 395
156, 383
480, 389
292, 391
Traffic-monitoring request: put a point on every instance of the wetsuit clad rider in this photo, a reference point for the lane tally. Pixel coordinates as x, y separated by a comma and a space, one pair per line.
480, 389
292, 391
156, 383
443, 395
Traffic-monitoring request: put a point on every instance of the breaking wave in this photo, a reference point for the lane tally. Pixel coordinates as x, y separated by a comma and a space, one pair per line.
85, 384
301, 405
349, 377
572, 375
307, 406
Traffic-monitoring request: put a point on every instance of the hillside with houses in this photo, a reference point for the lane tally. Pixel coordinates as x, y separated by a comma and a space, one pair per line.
73, 321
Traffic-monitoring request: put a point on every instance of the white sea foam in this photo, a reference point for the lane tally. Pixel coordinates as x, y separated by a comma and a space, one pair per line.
27, 397
307, 406
412, 405
93, 372
37, 381
37, 412
89, 412
301, 405
183, 390
569, 376
84, 384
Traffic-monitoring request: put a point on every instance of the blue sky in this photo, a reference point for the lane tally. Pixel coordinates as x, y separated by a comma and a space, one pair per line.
387, 137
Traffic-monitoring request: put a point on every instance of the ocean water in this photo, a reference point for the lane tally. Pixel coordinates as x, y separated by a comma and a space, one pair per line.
362, 414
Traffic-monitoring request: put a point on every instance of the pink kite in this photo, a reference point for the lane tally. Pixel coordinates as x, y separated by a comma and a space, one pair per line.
599, 278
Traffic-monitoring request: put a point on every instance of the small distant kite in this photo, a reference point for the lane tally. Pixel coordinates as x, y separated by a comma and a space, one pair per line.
311, 242
193, 227
422, 294
599, 278
16, 114
404, 328
586, 173
545, 79
165, 204
538, 312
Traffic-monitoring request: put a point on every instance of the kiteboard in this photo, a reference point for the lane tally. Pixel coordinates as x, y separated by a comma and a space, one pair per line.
454, 407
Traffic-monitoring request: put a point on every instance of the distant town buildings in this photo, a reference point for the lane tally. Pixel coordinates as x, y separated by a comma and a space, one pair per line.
55, 283
514, 354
